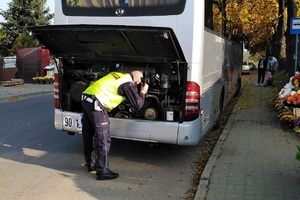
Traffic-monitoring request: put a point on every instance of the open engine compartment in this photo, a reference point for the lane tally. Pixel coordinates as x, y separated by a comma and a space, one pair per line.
164, 100
88, 52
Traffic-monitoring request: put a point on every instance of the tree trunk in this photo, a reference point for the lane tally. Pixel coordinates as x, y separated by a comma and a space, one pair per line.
224, 18
280, 31
209, 14
277, 38
290, 39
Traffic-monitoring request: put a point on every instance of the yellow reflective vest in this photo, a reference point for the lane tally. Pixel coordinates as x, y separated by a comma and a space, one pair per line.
106, 89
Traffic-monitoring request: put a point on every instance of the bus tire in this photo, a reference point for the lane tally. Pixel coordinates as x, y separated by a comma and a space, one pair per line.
221, 102
238, 87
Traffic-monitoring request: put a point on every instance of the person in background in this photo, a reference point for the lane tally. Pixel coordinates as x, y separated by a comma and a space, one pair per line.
269, 79
262, 67
97, 100
272, 64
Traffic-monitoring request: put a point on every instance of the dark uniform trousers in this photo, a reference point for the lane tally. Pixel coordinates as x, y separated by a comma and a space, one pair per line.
96, 136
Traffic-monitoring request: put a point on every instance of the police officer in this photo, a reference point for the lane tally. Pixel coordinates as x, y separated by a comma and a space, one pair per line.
97, 100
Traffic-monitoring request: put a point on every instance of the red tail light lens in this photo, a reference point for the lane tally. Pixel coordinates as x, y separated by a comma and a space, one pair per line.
192, 102
56, 91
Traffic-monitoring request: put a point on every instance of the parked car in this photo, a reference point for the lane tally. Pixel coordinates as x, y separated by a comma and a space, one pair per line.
246, 68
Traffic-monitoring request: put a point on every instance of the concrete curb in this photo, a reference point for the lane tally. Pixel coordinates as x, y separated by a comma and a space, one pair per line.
204, 179
18, 96
11, 93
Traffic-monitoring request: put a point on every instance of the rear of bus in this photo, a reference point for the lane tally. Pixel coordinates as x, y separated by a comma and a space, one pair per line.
92, 38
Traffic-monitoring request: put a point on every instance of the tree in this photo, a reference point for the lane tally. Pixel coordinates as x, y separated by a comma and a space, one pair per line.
267, 24
255, 19
23, 41
278, 40
290, 39
20, 15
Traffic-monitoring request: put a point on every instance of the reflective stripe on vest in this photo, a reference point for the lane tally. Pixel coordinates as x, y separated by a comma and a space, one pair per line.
106, 89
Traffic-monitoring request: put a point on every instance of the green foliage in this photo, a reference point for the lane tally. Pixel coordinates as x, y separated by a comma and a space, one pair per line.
24, 41
298, 154
18, 17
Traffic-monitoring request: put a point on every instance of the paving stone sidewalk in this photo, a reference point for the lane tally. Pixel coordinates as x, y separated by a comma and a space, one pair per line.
17, 91
255, 157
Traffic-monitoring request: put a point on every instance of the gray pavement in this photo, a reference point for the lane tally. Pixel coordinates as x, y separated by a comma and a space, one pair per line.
253, 159
20, 91
255, 156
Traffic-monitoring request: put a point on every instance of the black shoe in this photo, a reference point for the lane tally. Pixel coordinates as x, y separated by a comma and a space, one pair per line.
108, 175
90, 168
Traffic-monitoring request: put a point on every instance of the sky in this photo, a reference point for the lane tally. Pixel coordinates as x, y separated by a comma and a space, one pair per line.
4, 6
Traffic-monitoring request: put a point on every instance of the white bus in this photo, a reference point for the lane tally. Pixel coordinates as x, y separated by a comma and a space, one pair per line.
192, 71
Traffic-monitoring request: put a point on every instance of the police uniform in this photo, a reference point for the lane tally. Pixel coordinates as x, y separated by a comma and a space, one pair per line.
97, 100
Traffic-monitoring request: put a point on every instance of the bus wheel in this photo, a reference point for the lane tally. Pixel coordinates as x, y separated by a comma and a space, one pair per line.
218, 121
238, 87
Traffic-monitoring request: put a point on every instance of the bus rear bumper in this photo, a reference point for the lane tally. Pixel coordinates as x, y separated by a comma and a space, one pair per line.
187, 133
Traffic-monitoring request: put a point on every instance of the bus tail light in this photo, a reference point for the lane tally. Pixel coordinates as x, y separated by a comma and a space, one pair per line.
192, 101
56, 91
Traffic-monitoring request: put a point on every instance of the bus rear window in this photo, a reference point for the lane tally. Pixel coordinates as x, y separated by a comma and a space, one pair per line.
122, 7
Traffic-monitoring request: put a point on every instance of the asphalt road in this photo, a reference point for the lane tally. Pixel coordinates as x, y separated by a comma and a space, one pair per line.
39, 162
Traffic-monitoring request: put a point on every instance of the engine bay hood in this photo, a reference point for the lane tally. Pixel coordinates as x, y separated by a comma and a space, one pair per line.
110, 43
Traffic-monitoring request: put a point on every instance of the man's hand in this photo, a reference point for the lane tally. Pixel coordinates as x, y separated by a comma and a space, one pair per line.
144, 88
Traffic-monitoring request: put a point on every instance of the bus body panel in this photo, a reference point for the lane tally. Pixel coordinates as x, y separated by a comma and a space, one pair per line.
213, 62
178, 23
